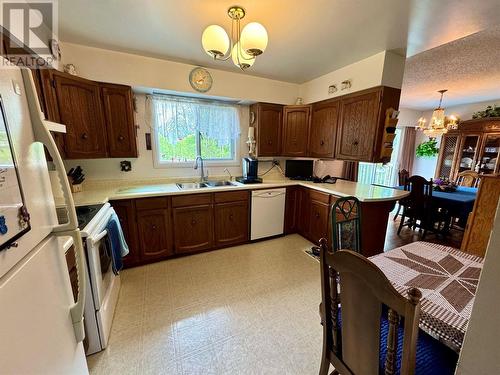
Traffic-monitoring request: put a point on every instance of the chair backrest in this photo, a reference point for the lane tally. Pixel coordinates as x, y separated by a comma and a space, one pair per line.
420, 192
403, 175
354, 345
345, 219
468, 178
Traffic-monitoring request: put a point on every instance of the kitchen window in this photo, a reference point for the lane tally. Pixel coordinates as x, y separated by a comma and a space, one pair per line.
185, 128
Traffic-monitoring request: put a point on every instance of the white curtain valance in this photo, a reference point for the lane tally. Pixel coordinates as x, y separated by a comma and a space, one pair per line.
176, 117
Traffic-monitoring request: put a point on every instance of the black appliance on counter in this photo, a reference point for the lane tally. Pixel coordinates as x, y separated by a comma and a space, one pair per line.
250, 170
299, 169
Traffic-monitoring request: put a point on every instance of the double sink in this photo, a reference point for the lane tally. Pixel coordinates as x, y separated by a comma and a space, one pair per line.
205, 184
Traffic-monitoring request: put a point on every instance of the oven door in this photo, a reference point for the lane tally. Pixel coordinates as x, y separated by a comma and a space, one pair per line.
100, 262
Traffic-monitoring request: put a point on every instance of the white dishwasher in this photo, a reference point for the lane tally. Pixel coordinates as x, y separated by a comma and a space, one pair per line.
268, 213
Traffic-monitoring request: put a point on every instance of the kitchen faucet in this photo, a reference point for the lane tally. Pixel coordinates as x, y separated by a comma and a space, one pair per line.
199, 160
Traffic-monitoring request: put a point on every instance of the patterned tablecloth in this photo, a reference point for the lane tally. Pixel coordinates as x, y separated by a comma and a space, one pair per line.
447, 278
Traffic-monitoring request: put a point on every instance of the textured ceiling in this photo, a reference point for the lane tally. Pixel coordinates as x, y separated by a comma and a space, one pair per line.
469, 68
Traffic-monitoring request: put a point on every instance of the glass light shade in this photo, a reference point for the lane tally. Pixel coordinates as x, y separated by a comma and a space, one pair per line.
254, 38
215, 41
437, 121
241, 58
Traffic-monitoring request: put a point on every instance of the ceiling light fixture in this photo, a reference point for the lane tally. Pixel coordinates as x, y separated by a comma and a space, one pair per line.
439, 124
242, 47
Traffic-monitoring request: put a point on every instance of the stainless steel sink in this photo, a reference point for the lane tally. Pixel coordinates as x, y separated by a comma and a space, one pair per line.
219, 183
192, 185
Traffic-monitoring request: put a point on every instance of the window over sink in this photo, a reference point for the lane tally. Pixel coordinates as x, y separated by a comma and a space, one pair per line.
184, 128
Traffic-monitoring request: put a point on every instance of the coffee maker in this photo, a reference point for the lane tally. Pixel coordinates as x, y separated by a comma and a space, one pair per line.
250, 169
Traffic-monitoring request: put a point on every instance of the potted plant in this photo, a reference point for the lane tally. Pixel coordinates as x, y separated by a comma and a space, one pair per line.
427, 149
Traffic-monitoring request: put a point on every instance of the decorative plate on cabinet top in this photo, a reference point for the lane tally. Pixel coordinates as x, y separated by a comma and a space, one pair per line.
200, 79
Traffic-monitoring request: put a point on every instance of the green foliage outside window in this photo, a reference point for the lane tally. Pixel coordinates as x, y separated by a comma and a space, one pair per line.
185, 149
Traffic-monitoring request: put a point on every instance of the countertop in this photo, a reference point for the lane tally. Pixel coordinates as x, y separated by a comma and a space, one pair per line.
364, 192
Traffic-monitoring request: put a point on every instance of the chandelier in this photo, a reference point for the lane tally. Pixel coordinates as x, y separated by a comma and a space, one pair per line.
243, 46
439, 124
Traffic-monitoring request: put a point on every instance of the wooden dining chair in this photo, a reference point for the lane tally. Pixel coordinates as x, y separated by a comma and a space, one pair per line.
417, 207
468, 179
403, 175
345, 219
354, 334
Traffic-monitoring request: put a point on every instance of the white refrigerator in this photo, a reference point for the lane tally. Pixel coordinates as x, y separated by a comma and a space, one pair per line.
41, 326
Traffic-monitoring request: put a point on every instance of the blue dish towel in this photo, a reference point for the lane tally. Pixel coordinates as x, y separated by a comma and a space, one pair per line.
119, 247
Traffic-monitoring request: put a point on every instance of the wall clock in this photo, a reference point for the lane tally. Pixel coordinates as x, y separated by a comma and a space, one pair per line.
200, 79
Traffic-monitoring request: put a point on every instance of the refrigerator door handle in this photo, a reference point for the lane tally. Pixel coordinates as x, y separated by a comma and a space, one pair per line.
42, 134
70, 228
77, 309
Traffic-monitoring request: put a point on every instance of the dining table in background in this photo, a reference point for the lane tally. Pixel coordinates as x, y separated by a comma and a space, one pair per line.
458, 203
447, 278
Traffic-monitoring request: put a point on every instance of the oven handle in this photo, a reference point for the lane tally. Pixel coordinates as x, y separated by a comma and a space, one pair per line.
77, 309
96, 239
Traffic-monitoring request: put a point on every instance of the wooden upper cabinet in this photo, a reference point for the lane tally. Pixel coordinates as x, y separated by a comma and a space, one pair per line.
80, 109
357, 126
323, 129
295, 132
119, 118
268, 120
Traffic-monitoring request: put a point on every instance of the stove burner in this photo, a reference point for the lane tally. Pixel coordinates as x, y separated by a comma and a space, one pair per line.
86, 213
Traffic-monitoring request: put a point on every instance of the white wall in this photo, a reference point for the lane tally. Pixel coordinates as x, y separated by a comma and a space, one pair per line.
364, 74
142, 167
140, 71
480, 350
408, 117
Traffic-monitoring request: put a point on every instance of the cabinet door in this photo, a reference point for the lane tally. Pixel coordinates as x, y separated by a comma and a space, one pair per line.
292, 207
447, 156
119, 117
153, 227
490, 150
193, 228
295, 130
358, 126
231, 223
268, 124
323, 129
125, 210
79, 105
303, 209
468, 153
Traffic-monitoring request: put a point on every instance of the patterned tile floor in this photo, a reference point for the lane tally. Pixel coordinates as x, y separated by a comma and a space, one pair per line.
250, 309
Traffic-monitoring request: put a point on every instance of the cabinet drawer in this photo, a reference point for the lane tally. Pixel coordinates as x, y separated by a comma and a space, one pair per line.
191, 200
319, 196
151, 203
231, 196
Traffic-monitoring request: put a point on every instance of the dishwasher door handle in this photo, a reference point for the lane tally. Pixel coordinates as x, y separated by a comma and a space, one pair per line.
269, 194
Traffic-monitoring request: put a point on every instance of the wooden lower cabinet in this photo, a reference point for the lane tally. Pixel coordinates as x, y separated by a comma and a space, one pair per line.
231, 223
193, 228
291, 210
125, 210
153, 226
318, 216
303, 210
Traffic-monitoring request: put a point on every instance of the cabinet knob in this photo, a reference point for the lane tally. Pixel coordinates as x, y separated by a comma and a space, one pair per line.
317, 215
231, 217
355, 143
322, 142
193, 222
85, 136
121, 138
153, 227
269, 142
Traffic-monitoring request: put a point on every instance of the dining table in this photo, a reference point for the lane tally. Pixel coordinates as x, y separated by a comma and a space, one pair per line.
447, 278
458, 203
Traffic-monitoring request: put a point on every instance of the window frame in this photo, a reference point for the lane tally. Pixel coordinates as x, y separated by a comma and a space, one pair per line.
234, 162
